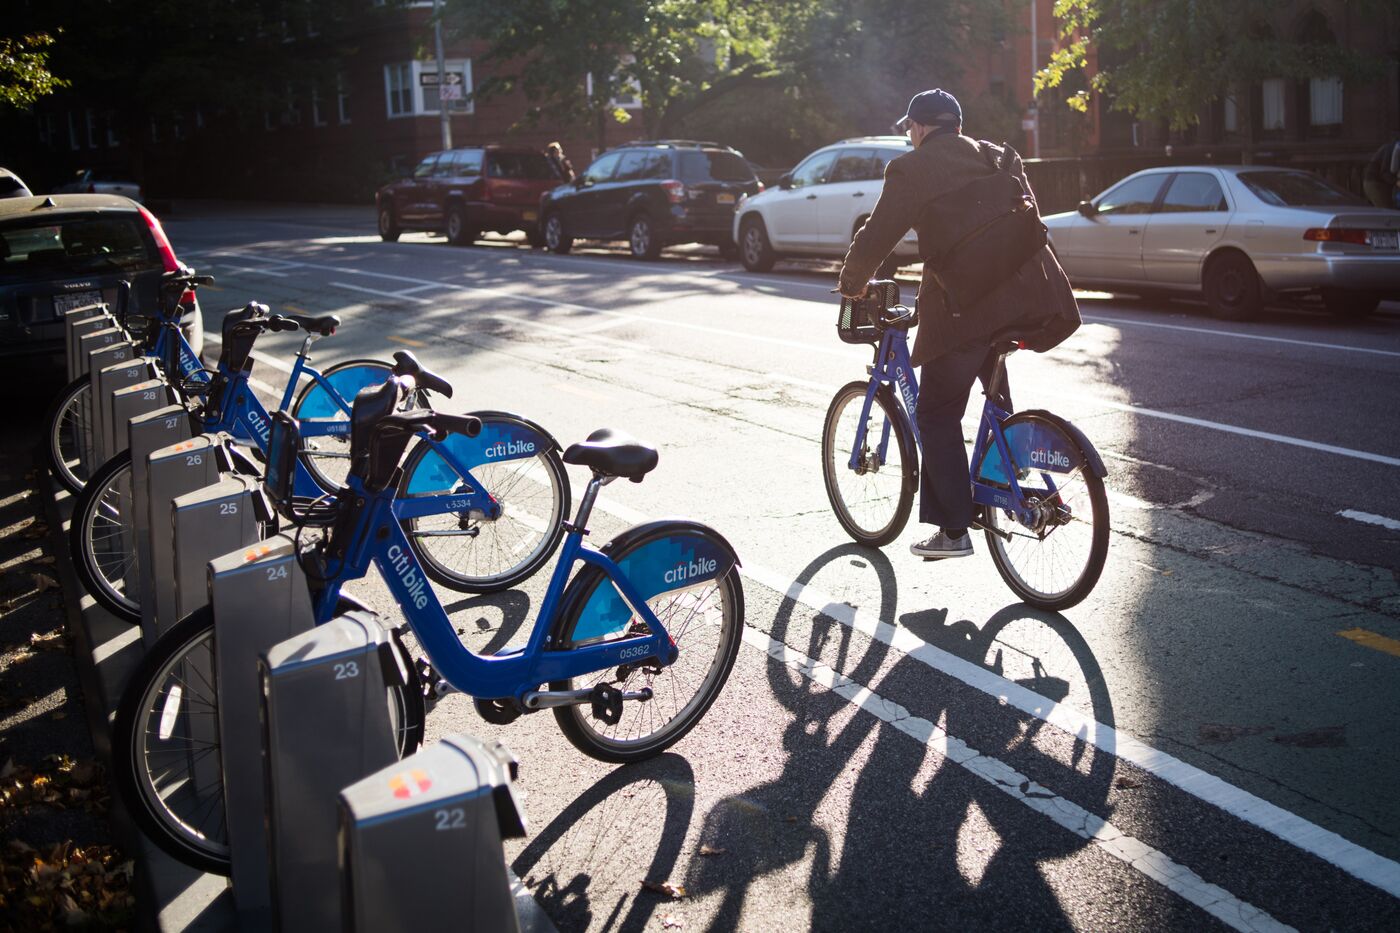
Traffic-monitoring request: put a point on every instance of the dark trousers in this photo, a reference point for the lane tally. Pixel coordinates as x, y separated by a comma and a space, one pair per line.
945, 491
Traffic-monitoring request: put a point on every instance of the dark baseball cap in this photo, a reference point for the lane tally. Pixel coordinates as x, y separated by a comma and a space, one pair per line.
927, 106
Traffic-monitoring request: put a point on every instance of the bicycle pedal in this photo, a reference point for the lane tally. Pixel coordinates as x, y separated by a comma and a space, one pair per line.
606, 701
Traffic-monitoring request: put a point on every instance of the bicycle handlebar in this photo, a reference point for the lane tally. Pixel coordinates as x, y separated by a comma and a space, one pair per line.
406, 364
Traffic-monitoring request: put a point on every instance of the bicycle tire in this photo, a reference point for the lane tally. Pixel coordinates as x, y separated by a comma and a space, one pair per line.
97, 524
907, 470
546, 475
71, 409
144, 799
1096, 553
335, 450
576, 722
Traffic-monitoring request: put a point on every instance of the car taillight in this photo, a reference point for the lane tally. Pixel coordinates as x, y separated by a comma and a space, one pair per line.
167, 254
760, 185
187, 299
675, 190
1337, 235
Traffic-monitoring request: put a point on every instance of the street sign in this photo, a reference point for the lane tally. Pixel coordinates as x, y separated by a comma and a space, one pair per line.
1028, 124
430, 79
450, 92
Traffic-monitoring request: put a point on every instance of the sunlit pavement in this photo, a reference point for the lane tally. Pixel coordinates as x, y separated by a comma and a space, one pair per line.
1210, 738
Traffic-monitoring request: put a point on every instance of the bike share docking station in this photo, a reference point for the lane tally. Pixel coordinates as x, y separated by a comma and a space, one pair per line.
76, 323
106, 383
147, 433
420, 841
171, 472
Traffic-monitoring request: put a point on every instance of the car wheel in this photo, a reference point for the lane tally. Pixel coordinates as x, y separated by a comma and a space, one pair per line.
554, 239
755, 252
1350, 304
1232, 287
388, 226
642, 239
458, 234
728, 250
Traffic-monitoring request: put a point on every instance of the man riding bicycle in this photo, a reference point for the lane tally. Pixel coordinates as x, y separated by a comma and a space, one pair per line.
956, 340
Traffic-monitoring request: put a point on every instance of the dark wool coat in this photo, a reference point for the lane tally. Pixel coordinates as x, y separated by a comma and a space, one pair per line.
913, 184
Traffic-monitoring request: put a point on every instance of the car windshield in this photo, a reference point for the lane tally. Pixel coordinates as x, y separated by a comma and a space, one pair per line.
9, 184
1297, 189
57, 247
715, 165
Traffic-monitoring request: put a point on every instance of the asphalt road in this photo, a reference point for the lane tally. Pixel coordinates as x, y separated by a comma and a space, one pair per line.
1211, 738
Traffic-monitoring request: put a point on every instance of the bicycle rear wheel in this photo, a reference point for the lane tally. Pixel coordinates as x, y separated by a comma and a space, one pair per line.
166, 749
326, 456
68, 434
873, 500
103, 542
705, 622
1055, 561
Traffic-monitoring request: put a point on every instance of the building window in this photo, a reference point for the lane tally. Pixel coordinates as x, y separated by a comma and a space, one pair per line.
291, 115
46, 130
318, 117
177, 125
1272, 111
629, 92
198, 118
155, 130
1232, 115
114, 138
342, 97
398, 88
1325, 101
91, 116
73, 142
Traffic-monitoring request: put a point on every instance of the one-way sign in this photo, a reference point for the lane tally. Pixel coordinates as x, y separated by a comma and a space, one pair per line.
430, 79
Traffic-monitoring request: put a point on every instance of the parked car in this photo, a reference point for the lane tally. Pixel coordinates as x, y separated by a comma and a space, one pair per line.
653, 194
816, 208
68, 250
102, 181
11, 186
465, 192
1239, 235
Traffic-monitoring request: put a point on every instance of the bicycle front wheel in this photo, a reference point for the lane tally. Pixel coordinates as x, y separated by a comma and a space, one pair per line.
706, 623
872, 500
327, 456
1055, 560
166, 749
68, 439
464, 550
103, 541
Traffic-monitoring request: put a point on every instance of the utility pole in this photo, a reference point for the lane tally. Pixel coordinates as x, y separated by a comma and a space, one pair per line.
444, 118
1035, 63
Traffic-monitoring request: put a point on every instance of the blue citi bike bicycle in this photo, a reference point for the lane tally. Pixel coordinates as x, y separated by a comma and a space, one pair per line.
512, 467
629, 654
1037, 481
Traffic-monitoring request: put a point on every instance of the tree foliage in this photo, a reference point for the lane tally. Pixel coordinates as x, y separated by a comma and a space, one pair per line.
24, 69
1168, 59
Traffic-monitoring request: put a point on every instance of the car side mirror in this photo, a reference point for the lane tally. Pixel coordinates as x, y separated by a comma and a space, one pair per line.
1087, 208
785, 182
582, 182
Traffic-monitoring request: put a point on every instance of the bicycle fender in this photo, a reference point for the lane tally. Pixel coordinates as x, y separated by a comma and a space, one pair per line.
656, 557
1085, 446
511, 416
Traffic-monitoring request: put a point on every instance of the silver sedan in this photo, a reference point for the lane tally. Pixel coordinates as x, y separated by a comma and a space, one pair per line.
1239, 235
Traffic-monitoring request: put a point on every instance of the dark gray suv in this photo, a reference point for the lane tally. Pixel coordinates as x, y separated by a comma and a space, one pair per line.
653, 194
68, 250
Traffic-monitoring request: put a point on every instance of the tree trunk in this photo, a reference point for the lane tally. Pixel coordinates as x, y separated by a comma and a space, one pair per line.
1244, 104
601, 128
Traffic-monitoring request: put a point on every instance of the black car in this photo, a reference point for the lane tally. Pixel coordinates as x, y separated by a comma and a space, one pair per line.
653, 194
11, 186
68, 250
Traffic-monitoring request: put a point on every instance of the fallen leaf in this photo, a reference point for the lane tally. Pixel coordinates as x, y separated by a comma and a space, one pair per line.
52, 639
665, 887
789, 819
47, 561
1127, 782
711, 850
60, 715
45, 582
671, 922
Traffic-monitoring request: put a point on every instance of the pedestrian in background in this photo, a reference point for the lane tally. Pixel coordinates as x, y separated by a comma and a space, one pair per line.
555, 153
1381, 180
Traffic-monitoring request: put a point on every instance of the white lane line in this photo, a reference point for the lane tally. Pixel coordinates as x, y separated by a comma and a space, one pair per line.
399, 296
222, 268
1134, 853
1355, 860
1292, 829
1119, 322
846, 354
1369, 519
419, 288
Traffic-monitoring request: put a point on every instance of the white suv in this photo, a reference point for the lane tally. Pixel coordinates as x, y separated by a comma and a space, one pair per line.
816, 209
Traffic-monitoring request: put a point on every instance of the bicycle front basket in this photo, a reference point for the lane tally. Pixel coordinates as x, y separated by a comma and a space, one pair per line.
859, 319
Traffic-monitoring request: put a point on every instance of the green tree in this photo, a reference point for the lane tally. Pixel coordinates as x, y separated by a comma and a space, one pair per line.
1169, 59
573, 59
24, 69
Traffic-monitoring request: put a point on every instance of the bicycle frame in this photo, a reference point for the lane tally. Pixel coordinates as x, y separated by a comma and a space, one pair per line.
378, 540
893, 368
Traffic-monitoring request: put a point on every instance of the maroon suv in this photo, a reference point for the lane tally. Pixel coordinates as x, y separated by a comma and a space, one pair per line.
466, 192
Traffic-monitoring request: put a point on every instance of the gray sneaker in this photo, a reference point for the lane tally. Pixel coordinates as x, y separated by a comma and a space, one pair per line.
940, 546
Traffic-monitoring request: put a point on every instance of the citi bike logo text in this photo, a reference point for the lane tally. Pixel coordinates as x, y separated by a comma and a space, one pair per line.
412, 580
689, 569
259, 424
509, 448
1050, 458
904, 390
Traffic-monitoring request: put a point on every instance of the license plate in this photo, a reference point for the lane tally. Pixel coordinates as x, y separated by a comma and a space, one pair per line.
530, 215
724, 199
1385, 239
70, 300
